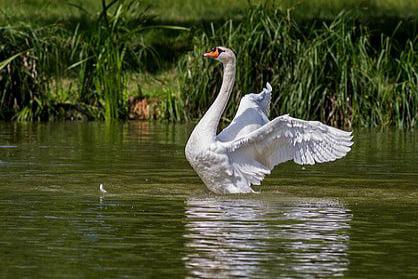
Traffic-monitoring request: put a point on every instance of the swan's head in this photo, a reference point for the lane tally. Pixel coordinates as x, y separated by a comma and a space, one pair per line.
221, 54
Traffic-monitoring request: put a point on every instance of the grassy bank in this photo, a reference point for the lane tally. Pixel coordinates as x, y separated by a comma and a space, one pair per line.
80, 60
334, 73
53, 71
190, 11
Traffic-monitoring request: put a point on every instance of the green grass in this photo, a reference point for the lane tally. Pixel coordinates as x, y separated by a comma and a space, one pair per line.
43, 11
95, 60
332, 73
23, 83
86, 68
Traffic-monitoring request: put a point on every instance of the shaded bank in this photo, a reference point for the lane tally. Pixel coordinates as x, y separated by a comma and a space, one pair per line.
52, 72
346, 71
338, 72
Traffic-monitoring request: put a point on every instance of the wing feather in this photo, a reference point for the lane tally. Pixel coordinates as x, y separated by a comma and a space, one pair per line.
252, 114
283, 139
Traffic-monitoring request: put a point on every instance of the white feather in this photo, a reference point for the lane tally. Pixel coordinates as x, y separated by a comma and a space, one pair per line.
102, 189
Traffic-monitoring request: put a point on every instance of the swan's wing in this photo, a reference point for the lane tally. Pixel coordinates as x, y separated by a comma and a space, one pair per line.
264, 99
252, 114
282, 139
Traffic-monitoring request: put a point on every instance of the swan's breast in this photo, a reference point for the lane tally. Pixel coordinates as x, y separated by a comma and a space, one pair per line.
206, 158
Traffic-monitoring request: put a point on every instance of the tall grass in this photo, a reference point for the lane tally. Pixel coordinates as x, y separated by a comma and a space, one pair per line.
103, 55
26, 57
339, 72
96, 59
330, 72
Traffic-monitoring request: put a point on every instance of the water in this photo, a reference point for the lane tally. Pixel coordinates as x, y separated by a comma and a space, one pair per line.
357, 217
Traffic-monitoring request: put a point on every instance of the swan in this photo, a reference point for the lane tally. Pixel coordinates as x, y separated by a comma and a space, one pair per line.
251, 145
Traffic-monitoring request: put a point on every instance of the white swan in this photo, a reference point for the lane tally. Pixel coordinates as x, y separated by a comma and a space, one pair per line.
249, 148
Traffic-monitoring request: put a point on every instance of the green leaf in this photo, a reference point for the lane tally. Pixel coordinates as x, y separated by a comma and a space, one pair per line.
6, 62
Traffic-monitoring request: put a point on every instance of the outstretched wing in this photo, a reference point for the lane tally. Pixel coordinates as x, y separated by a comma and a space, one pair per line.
286, 138
282, 139
252, 113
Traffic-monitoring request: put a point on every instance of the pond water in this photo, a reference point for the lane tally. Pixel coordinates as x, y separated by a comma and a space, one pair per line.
356, 217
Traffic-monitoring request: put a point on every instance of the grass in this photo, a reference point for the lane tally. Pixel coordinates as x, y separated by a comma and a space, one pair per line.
187, 11
330, 73
23, 81
95, 60
88, 62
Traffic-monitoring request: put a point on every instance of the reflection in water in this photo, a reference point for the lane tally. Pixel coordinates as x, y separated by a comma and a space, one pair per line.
243, 237
55, 223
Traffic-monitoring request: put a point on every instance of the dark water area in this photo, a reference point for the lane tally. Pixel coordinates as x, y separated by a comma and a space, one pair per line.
356, 217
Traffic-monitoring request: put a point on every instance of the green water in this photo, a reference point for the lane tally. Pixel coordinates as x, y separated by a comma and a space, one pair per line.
357, 217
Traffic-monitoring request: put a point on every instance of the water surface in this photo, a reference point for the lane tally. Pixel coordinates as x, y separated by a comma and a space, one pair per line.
356, 217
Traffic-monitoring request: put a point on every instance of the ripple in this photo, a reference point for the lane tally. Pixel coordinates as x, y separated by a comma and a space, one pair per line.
156, 220
248, 238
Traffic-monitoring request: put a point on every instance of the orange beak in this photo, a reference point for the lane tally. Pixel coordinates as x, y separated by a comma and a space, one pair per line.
212, 54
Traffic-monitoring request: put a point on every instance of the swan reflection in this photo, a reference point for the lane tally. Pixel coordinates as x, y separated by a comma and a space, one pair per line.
228, 237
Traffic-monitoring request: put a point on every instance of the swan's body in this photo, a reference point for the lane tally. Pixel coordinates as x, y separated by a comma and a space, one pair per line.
249, 148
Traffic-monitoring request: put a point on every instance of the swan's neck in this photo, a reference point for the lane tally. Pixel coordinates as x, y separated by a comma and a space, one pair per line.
208, 125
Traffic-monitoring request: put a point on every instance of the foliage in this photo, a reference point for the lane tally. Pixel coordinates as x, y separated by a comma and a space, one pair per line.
99, 57
330, 72
102, 56
26, 57
191, 11
83, 65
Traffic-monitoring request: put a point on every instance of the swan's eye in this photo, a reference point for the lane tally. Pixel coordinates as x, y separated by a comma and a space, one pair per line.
213, 49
